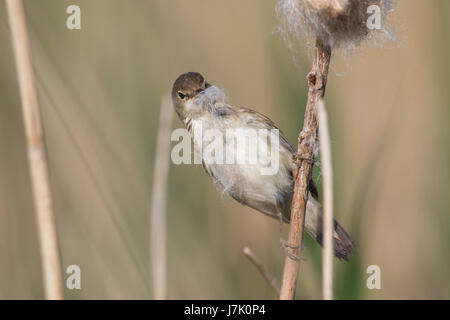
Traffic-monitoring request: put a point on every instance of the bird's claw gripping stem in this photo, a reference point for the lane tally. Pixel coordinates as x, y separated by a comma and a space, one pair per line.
286, 245
299, 158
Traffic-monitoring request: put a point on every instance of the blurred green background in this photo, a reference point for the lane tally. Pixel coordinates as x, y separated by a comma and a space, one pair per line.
100, 90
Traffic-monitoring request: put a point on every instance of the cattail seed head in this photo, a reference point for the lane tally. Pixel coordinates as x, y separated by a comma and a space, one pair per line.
339, 24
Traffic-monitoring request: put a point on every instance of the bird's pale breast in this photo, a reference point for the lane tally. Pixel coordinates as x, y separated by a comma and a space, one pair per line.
234, 168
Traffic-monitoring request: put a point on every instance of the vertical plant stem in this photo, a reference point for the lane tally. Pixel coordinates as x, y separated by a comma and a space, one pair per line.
327, 174
158, 209
317, 80
36, 153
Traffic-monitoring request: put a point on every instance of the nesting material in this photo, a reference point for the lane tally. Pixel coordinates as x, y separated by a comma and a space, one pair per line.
340, 24
209, 97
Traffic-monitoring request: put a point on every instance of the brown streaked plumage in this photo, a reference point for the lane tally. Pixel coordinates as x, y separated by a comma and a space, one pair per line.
201, 107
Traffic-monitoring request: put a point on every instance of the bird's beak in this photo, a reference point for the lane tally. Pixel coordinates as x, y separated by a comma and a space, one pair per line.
207, 85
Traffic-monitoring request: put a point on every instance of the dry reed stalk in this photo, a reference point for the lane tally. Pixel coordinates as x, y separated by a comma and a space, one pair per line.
37, 160
317, 80
158, 208
335, 24
327, 182
271, 280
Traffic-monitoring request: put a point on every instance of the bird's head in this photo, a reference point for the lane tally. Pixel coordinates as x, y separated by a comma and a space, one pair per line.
186, 88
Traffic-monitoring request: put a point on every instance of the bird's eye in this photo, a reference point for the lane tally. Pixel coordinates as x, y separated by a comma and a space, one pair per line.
181, 95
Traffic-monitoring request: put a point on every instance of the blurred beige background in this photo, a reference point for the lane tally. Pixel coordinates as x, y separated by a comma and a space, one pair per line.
100, 90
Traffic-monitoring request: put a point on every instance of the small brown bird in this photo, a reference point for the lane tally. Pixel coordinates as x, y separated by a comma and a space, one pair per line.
203, 107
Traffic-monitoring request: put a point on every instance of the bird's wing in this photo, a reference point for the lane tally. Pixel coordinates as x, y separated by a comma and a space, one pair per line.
260, 120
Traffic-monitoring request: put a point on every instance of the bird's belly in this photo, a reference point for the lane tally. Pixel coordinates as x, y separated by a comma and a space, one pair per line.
252, 173
246, 183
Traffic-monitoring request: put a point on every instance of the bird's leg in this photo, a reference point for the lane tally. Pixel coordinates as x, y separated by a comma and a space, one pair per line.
280, 220
285, 244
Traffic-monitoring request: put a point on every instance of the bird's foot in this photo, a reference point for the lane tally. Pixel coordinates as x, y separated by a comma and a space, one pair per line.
286, 245
298, 158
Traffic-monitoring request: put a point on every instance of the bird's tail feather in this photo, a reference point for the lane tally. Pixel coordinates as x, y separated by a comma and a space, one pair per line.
343, 244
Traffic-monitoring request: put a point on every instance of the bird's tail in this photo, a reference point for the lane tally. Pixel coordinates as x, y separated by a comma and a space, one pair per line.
343, 244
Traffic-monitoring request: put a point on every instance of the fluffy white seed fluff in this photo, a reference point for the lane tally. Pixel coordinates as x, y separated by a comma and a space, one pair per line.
340, 24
